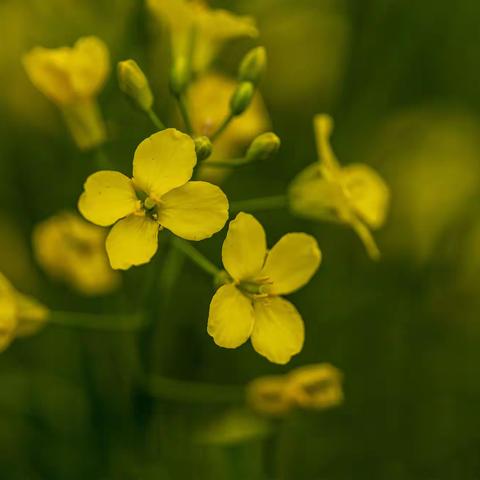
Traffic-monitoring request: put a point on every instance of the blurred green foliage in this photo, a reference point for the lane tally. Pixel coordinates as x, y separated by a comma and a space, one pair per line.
401, 80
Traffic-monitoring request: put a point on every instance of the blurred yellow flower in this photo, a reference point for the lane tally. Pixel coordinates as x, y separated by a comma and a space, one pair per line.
354, 195
209, 99
311, 387
70, 249
20, 315
72, 78
159, 195
198, 31
251, 306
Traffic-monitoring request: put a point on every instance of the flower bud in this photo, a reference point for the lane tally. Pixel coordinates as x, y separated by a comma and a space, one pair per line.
241, 98
253, 65
134, 84
179, 76
203, 148
263, 147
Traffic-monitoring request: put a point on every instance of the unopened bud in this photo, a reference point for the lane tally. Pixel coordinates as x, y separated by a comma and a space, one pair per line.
253, 65
203, 148
241, 98
263, 147
179, 76
134, 84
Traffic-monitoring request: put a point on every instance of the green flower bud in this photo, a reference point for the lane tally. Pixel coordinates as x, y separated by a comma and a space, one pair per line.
179, 76
253, 65
263, 147
241, 98
203, 148
134, 84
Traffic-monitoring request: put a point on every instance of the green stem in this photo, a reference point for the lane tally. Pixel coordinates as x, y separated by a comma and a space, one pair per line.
222, 127
256, 204
185, 115
232, 163
193, 254
101, 159
92, 321
155, 120
192, 392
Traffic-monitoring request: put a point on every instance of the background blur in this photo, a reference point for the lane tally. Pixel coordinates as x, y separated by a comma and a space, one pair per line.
401, 80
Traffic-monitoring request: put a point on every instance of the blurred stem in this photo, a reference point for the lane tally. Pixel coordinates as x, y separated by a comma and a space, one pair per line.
155, 120
101, 322
256, 204
197, 392
222, 126
195, 256
232, 163
185, 114
101, 159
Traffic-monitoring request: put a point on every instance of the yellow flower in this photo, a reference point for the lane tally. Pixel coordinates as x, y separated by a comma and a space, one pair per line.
315, 386
266, 395
71, 78
209, 99
20, 315
73, 250
192, 23
354, 195
159, 195
251, 306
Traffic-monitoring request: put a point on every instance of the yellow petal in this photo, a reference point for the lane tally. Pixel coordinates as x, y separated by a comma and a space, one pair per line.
367, 239
291, 263
278, 333
132, 241
164, 161
230, 320
107, 197
244, 248
194, 211
323, 125
90, 65
8, 319
31, 315
367, 193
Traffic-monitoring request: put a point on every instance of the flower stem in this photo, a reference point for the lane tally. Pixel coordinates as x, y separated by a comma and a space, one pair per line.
192, 392
93, 321
155, 120
222, 127
185, 115
256, 204
232, 163
193, 254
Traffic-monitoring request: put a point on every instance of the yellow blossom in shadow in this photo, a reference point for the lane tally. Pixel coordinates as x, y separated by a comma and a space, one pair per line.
310, 387
197, 31
20, 315
71, 77
354, 195
159, 195
251, 306
209, 99
72, 250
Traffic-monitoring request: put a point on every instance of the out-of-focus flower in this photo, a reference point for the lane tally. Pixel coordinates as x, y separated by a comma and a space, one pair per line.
209, 99
159, 195
354, 195
20, 315
251, 305
198, 32
311, 387
431, 159
72, 78
70, 249
133, 82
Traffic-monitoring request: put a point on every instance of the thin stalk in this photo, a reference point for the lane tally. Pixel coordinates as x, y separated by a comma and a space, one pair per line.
257, 204
195, 256
155, 120
185, 115
232, 163
101, 322
222, 127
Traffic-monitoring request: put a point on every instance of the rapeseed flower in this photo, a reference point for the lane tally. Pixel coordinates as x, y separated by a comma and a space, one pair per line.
20, 315
159, 195
71, 77
198, 32
251, 306
72, 250
354, 195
